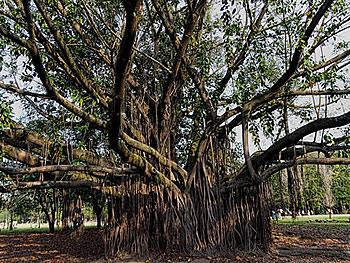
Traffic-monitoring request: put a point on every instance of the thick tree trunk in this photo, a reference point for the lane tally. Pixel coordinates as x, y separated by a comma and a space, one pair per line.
254, 217
151, 217
67, 209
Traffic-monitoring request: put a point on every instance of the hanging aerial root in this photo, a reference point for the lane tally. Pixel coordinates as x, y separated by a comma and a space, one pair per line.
152, 218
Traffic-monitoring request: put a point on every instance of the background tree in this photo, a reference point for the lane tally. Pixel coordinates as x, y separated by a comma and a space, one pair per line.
341, 189
317, 198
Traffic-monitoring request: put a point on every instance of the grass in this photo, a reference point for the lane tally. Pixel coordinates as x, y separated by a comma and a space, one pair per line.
341, 220
26, 229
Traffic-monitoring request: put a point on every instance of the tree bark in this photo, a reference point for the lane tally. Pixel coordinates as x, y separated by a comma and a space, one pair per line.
98, 219
97, 200
67, 209
151, 218
11, 220
51, 226
292, 193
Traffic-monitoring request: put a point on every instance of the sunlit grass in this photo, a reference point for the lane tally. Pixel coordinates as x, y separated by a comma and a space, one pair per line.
22, 229
336, 220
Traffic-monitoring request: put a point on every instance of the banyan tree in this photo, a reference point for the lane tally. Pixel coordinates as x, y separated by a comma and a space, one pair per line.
158, 105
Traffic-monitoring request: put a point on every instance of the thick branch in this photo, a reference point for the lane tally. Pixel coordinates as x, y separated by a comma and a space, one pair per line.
303, 131
314, 92
161, 158
291, 139
332, 61
122, 68
19, 133
48, 184
147, 168
67, 168
19, 155
301, 161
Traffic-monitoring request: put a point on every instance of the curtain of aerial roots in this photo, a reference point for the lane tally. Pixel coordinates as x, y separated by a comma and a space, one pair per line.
150, 218
71, 204
67, 208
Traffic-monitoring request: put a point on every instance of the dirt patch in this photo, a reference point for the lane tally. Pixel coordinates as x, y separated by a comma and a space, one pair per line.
312, 243
292, 243
58, 247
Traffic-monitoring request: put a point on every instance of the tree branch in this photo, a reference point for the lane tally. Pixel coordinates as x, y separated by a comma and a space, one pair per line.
292, 138
19, 155
122, 68
67, 168
288, 74
22, 92
245, 135
302, 161
18, 133
254, 29
68, 55
160, 158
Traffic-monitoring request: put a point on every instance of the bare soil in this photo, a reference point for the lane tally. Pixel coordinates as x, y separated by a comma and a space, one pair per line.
292, 243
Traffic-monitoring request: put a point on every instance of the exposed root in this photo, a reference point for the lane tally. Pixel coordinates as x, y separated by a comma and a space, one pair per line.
154, 218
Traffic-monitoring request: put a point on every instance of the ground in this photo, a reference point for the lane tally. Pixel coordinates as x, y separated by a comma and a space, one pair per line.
301, 242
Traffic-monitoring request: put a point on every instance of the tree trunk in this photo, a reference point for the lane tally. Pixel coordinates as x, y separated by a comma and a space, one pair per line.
292, 193
11, 220
98, 200
328, 198
51, 226
98, 218
67, 209
78, 216
38, 220
49, 207
152, 217
282, 193
50, 217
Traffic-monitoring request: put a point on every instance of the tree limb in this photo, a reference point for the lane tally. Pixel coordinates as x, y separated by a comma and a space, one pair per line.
122, 68
67, 168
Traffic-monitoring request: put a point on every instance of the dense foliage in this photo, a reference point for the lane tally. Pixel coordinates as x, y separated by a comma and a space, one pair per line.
312, 190
152, 105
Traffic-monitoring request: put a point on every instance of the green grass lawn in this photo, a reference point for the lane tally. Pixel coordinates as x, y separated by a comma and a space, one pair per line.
22, 229
341, 220
311, 220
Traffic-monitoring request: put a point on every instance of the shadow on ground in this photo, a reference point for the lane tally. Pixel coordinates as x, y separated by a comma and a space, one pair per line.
292, 243
312, 243
58, 247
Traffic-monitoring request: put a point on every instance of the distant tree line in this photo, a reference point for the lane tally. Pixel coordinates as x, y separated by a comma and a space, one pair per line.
319, 189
